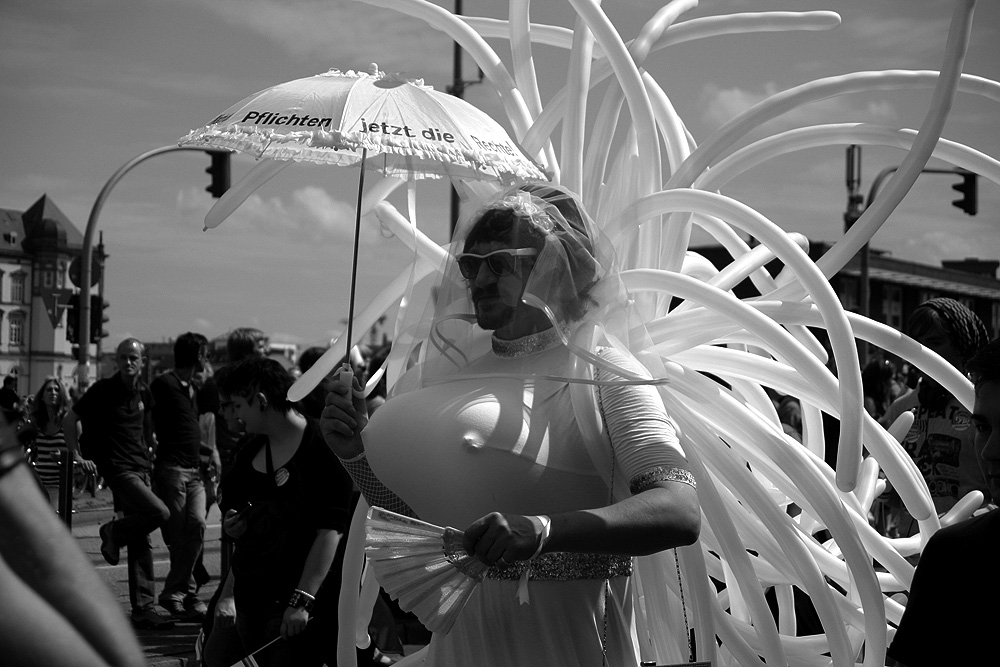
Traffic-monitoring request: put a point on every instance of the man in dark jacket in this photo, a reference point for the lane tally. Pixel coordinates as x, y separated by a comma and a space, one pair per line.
115, 413
177, 474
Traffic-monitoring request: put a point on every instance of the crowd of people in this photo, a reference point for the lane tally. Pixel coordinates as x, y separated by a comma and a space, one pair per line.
494, 445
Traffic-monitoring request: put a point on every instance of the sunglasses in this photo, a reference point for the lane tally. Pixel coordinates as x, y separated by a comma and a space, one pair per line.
501, 262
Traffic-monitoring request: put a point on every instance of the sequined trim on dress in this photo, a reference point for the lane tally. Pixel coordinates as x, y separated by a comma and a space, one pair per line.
529, 344
660, 474
564, 566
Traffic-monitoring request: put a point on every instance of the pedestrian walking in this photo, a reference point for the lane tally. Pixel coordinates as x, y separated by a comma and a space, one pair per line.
117, 427
177, 476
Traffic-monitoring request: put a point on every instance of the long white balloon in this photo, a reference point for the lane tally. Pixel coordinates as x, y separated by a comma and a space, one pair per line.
744, 507
841, 337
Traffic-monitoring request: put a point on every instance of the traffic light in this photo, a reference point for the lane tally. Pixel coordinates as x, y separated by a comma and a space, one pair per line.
219, 171
73, 318
850, 217
968, 188
98, 318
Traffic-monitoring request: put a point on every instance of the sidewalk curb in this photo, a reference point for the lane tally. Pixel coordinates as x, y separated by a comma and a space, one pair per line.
173, 661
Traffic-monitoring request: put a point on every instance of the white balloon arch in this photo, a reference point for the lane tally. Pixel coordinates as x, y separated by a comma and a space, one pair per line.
748, 471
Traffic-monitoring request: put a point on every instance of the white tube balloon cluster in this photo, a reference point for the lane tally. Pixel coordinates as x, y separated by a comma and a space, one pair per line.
646, 192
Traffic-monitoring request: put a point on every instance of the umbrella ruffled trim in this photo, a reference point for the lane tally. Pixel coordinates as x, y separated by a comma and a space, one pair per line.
375, 73
343, 148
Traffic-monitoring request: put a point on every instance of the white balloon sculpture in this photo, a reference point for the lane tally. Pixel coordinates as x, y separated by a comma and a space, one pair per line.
748, 471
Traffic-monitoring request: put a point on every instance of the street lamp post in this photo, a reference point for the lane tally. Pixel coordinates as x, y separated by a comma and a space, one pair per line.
83, 368
857, 205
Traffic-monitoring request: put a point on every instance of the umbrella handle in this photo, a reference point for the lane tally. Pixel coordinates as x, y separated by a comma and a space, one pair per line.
346, 375
354, 263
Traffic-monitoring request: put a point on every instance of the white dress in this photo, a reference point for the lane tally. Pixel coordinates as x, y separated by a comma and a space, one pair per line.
456, 451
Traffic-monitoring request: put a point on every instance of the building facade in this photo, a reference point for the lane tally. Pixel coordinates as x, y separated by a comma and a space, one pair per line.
896, 287
37, 249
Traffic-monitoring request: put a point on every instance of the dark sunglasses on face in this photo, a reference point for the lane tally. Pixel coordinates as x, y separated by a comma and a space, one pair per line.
501, 262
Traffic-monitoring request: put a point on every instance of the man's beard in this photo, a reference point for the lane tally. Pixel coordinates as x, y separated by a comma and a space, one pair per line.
494, 318
496, 315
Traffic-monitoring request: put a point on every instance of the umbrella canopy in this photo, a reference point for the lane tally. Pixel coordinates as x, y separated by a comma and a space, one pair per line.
405, 128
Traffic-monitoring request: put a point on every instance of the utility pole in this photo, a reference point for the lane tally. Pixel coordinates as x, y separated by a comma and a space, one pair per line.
457, 88
86, 256
855, 207
101, 257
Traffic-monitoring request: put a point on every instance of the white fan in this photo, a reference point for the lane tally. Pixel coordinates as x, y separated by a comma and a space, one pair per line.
423, 566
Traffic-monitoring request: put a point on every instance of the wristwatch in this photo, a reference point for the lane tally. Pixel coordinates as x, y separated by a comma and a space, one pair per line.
302, 600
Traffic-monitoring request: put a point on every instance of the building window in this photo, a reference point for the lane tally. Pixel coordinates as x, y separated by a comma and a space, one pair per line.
847, 291
16, 329
892, 306
61, 276
17, 287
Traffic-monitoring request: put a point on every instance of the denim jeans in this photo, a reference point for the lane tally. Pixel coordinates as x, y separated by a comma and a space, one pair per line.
183, 492
143, 513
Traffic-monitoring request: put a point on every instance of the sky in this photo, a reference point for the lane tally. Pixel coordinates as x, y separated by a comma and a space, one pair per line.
87, 85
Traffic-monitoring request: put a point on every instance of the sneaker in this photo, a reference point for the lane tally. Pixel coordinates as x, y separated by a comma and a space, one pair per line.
110, 550
148, 618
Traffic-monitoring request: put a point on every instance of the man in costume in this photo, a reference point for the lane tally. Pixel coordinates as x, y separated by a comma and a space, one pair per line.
496, 430
945, 621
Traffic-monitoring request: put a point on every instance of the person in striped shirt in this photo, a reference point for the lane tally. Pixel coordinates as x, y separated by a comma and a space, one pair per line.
48, 410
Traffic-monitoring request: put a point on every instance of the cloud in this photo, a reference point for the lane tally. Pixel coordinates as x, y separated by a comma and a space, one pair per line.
929, 243
309, 215
720, 105
329, 31
723, 104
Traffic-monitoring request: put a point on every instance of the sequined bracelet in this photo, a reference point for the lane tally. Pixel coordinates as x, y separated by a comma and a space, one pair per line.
10, 458
661, 474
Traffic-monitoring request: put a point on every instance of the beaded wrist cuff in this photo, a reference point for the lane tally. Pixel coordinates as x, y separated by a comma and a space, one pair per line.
302, 600
660, 474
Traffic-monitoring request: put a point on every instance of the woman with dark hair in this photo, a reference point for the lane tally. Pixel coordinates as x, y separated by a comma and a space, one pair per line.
286, 505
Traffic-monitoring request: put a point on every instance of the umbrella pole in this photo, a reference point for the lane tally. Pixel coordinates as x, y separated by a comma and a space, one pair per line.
354, 263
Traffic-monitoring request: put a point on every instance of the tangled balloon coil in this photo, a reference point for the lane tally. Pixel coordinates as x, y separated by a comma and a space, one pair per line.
646, 193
